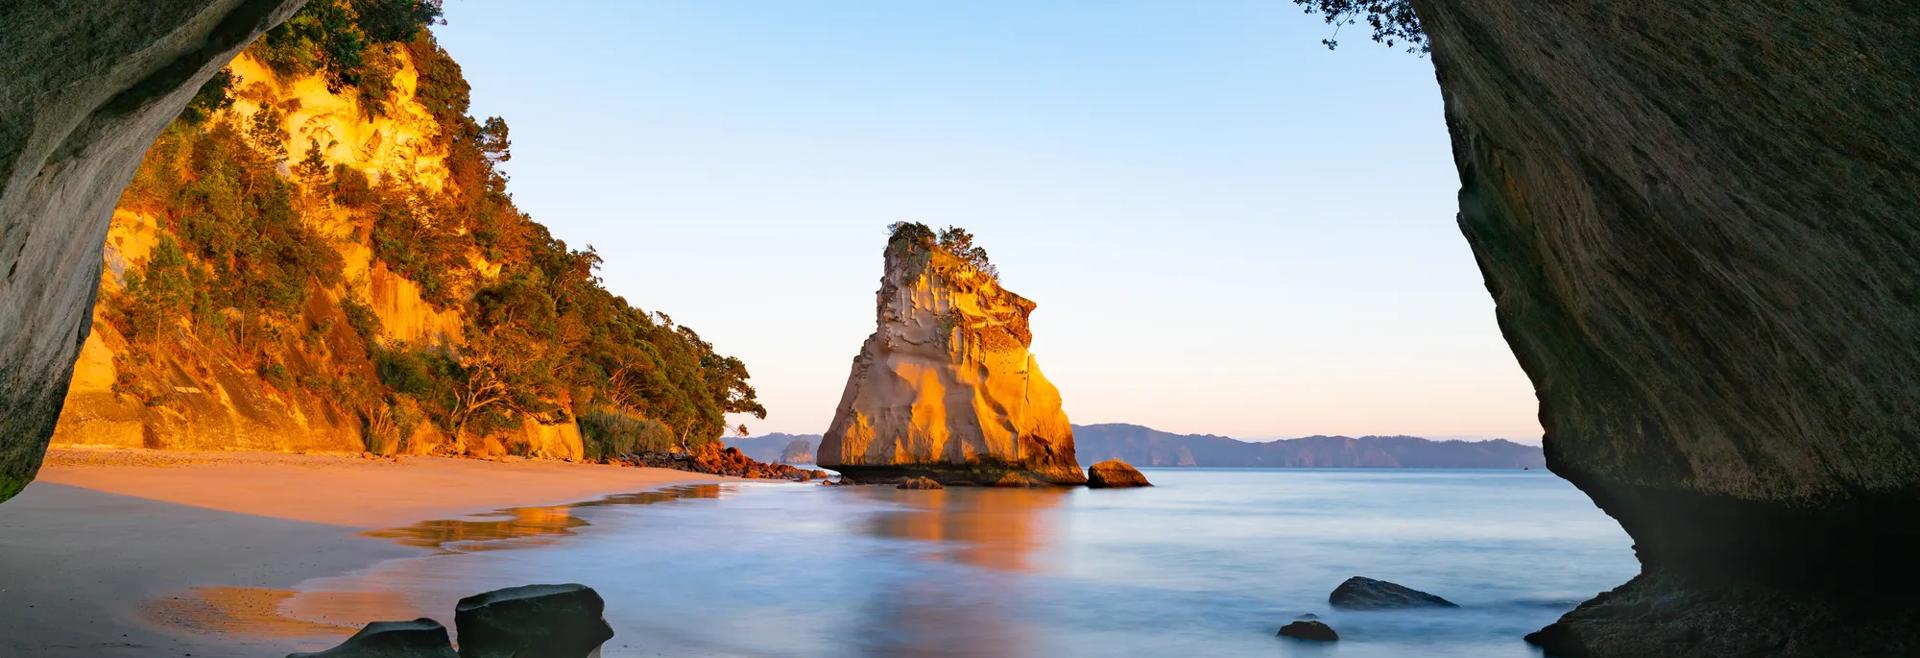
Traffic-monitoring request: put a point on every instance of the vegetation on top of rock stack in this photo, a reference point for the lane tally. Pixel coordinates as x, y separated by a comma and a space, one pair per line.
252, 220
952, 240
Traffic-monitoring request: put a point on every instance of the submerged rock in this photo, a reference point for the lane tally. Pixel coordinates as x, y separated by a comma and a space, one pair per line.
1308, 629
1362, 593
919, 483
550, 621
945, 387
420, 638
1115, 474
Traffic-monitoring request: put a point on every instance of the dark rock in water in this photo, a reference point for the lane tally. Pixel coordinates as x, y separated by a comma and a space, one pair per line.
919, 483
1115, 474
420, 638
1309, 630
550, 621
1698, 225
1362, 593
1307, 616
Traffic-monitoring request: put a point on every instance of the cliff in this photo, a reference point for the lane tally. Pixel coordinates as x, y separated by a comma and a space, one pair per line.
945, 386
83, 92
1698, 225
319, 253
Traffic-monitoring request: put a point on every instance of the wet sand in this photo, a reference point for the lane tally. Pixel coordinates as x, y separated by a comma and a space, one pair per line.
134, 553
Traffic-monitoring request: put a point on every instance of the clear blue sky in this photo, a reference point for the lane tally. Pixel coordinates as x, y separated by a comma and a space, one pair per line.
1228, 229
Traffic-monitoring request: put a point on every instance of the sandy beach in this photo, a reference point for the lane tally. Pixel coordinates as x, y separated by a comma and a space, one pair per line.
138, 553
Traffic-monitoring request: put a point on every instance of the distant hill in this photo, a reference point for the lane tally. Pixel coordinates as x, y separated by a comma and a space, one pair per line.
773, 448
1145, 446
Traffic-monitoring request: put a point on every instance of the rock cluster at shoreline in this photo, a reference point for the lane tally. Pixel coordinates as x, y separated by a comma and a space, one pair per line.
715, 460
549, 621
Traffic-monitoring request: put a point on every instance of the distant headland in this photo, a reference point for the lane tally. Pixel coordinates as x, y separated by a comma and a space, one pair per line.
1145, 446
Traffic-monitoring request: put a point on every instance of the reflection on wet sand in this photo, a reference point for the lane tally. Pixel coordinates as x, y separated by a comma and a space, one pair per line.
329, 607
533, 526
995, 529
236, 611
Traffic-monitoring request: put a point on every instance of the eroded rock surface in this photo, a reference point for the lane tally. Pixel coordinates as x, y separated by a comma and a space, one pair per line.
420, 638
1115, 474
84, 89
551, 621
1699, 225
945, 387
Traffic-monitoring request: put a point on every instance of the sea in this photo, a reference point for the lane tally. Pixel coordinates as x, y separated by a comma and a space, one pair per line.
1209, 562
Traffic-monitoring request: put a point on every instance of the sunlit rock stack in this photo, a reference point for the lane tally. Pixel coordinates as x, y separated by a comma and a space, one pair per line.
945, 387
1699, 223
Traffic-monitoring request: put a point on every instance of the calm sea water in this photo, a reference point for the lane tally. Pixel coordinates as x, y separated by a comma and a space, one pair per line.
1208, 563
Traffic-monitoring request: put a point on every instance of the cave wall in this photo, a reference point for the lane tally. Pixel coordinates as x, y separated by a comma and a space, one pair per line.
85, 87
1698, 222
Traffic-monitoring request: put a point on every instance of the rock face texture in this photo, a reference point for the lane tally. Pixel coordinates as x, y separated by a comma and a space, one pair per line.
83, 92
945, 387
420, 638
552, 621
1699, 224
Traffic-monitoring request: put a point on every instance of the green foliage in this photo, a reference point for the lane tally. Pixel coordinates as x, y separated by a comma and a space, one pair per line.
340, 38
953, 240
166, 290
959, 242
365, 323
238, 267
610, 434
1392, 21
407, 239
213, 96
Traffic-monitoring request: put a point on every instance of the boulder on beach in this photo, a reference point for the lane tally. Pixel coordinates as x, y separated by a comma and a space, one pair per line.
420, 638
1308, 629
1362, 593
919, 483
551, 621
1115, 474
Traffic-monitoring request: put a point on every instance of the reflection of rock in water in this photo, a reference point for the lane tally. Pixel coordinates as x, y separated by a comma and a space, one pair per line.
974, 534
533, 525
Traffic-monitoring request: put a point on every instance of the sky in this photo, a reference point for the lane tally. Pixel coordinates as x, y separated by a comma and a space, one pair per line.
1228, 228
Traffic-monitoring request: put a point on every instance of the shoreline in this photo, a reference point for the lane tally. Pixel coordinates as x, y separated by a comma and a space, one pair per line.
118, 552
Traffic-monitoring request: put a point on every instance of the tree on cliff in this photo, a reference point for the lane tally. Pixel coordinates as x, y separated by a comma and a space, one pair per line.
1393, 21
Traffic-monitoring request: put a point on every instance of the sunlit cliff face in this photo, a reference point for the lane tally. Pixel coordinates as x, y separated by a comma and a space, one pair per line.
946, 380
219, 401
